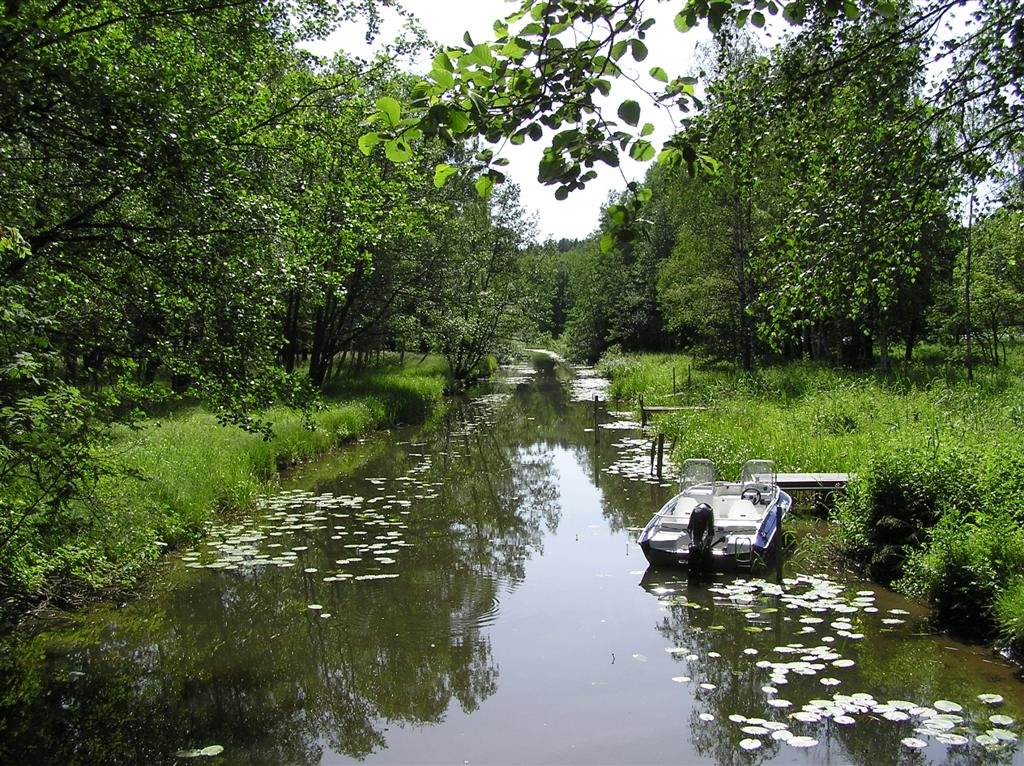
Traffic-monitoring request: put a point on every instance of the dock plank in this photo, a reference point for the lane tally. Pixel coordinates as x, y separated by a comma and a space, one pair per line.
810, 482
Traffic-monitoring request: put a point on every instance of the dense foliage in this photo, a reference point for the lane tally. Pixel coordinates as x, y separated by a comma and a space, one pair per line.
189, 212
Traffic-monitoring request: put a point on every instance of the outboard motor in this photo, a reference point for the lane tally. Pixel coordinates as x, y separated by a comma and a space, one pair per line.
701, 528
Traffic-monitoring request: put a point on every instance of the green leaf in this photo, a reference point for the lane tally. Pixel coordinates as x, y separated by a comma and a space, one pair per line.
629, 112
642, 151
442, 173
757, 19
886, 8
480, 55
618, 50
639, 50
483, 186
442, 61
390, 108
458, 121
851, 10
607, 242
367, 141
670, 156
442, 77
513, 50
795, 12
659, 74
398, 150
647, 129
682, 22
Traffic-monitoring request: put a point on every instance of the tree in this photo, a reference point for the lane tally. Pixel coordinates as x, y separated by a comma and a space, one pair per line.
997, 276
481, 301
149, 162
869, 184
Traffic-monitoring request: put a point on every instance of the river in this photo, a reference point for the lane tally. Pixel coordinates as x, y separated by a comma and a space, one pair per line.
470, 592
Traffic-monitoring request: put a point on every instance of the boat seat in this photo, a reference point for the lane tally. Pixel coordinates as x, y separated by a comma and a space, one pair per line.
743, 509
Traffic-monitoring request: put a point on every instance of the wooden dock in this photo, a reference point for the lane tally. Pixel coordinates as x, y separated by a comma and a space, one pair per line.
646, 411
812, 482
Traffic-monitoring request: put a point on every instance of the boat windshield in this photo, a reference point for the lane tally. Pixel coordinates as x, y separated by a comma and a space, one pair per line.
697, 472
758, 472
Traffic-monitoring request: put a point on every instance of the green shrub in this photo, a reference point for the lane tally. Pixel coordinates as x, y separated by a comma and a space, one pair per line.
965, 573
888, 512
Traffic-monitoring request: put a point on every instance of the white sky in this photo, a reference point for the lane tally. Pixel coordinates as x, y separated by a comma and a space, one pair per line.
576, 217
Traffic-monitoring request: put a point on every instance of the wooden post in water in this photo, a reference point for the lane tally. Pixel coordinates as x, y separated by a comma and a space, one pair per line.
661, 452
779, 545
596, 401
689, 375
643, 413
673, 381
654, 450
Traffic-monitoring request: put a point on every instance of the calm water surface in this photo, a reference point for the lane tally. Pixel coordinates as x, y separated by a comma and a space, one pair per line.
470, 592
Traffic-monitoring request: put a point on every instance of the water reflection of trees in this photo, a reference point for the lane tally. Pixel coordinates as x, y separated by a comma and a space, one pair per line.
238, 659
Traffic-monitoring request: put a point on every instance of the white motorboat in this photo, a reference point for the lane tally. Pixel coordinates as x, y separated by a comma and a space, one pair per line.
746, 516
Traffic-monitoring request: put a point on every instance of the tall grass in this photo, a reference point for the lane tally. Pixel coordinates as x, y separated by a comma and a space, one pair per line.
938, 500
169, 476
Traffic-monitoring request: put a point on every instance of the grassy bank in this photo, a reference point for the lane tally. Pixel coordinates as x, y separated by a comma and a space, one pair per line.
167, 478
937, 505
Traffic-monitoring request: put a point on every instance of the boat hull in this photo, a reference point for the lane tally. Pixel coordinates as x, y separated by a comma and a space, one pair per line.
661, 558
735, 552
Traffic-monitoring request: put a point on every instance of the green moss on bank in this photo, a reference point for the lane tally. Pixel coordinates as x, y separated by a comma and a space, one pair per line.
936, 509
170, 476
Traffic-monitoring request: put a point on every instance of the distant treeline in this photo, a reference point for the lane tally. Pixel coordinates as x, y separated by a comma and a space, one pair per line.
840, 221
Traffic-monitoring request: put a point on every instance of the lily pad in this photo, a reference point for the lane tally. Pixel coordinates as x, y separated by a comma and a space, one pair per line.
806, 716
1002, 735
913, 743
205, 752
1001, 720
750, 743
947, 706
802, 741
991, 699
